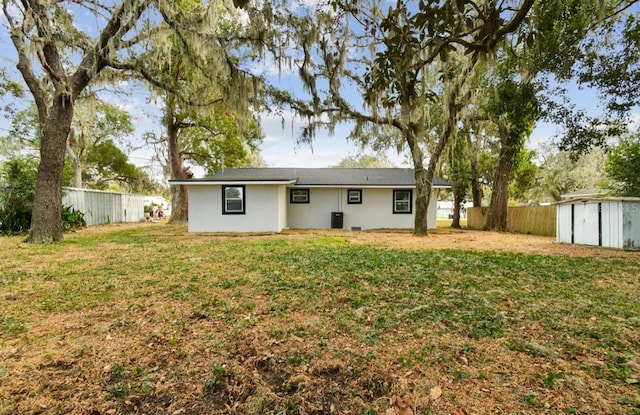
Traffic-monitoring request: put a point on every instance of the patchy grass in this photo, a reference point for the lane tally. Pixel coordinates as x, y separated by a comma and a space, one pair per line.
150, 319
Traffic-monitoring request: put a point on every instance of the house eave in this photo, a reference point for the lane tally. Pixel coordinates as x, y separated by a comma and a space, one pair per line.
197, 182
363, 186
292, 183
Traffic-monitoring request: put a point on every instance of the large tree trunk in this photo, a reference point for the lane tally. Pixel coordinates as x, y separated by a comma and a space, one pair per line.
423, 187
423, 192
497, 218
46, 217
179, 193
476, 185
75, 157
457, 202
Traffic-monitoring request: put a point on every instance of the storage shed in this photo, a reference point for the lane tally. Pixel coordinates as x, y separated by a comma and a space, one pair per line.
608, 222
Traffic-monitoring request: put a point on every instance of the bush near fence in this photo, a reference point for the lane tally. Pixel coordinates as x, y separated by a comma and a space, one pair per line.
533, 220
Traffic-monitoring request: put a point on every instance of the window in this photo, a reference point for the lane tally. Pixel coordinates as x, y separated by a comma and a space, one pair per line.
354, 196
233, 200
402, 201
299, 196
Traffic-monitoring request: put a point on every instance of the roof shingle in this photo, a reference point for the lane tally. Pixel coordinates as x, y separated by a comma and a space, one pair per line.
323, 176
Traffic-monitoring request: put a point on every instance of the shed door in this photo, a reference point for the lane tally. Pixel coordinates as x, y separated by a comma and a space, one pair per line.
585, 225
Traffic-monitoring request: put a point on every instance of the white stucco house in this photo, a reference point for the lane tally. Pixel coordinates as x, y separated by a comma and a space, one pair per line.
273, 199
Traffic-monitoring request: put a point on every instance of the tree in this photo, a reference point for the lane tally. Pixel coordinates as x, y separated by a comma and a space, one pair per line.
459, 173
558, 173
365, 161
593, 43
55, 82
523, 176
514, 108
17, 184
622, 165
208, 99
402, 64
17, 188
212, 140
107, 164
9, 88
95, 122
58, 62
23, 134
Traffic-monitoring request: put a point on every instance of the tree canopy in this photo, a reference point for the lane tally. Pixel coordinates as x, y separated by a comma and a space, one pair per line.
404, 76
58, 61
623, 165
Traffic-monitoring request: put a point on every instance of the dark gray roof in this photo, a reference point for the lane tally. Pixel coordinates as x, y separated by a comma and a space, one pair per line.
322, 176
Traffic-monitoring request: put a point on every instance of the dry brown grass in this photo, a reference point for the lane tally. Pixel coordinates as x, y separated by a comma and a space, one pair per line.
150, 319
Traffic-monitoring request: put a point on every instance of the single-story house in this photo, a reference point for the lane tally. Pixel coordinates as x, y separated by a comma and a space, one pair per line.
273, 199
609, 222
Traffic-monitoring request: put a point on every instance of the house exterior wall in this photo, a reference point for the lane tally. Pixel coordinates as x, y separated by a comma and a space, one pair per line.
317, 213
263, 211
268, 209
282, 207
375, 211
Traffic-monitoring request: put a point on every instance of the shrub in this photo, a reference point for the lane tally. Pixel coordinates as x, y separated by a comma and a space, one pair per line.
17, 189
72, 218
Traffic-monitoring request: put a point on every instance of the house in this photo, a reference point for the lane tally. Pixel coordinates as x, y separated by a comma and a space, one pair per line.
609, 222
272, 199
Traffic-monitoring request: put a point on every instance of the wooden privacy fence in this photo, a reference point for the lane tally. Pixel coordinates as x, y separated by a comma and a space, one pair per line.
533, 220
101, 207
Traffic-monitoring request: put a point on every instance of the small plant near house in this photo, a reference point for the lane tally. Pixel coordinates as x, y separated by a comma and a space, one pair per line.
531, 399
116, 370
12, 325
119, 390
216, 380
551, 378
72, 218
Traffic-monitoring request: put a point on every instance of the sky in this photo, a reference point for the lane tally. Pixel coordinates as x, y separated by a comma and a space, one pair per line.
279, 148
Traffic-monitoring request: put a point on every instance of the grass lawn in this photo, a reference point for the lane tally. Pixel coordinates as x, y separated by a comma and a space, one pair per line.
150, 319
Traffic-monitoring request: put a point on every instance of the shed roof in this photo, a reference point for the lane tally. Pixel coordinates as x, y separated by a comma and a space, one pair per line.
362, 177
598, 199
585, 193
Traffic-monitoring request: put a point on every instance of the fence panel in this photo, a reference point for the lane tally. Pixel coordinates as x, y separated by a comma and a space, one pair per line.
477, 217
534, 220
101, 207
